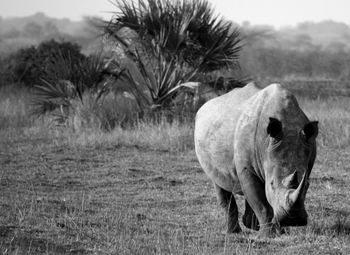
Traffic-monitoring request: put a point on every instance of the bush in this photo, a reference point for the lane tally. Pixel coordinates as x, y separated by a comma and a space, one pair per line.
30, 65
4, 74
78, 93
106, 112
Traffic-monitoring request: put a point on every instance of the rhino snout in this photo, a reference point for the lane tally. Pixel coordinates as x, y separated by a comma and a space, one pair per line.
295, 216
292, 212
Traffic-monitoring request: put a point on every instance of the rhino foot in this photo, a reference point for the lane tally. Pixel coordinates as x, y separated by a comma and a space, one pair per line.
268, 231
233, 228
228, 203
271, 230
249, 218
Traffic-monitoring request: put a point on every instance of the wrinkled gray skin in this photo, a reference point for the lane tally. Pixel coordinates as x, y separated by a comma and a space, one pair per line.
260, 144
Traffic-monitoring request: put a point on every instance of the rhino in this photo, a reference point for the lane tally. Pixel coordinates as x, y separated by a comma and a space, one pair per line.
258, 143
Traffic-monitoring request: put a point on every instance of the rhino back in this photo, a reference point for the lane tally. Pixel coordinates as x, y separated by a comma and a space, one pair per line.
214, 135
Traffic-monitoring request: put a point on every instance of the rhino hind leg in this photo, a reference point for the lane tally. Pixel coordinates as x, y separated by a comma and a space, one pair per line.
249, 218
228, 202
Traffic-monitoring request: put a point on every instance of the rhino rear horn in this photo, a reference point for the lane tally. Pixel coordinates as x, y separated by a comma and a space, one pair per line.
274, 128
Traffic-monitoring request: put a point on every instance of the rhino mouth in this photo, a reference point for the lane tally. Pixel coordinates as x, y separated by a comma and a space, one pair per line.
295, 217
293, 221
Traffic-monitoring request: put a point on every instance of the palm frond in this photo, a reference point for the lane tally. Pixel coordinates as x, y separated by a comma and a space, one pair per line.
175, 41
51, 96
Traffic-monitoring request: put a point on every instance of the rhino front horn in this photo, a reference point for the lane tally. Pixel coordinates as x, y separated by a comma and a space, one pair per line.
298, 193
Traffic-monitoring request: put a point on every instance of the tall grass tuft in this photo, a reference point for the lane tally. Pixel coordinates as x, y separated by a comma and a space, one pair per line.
145, 134
14, 108
103, 112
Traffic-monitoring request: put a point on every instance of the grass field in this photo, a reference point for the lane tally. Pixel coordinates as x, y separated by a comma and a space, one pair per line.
142, 191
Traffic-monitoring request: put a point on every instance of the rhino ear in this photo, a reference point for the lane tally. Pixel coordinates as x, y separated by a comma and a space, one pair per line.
274, 129
311, 130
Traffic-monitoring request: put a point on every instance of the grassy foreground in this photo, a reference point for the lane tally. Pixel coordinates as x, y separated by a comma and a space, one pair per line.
142, 191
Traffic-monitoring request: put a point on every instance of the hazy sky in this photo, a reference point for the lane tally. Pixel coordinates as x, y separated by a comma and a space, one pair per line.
272, 12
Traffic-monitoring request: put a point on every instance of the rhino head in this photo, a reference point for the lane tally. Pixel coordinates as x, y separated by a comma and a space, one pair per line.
288, 160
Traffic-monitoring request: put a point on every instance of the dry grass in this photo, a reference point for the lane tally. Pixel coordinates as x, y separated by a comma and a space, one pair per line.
142, 191
163, 136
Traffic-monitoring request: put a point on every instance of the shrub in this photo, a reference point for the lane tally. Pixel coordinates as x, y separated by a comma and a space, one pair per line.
5, 78
77, 93
106, 112
24, 66
30, 65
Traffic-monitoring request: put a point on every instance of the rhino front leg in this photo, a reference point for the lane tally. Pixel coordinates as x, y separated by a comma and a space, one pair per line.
228, 202
254, 192
249, 218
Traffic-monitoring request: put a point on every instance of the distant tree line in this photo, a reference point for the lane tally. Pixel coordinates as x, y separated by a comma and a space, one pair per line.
283, 63
298, 52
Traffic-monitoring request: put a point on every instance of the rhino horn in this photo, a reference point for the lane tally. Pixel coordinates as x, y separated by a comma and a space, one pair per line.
297, 194
291, 181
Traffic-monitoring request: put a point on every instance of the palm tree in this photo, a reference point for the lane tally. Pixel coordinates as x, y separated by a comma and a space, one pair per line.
169, 43
67, 80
